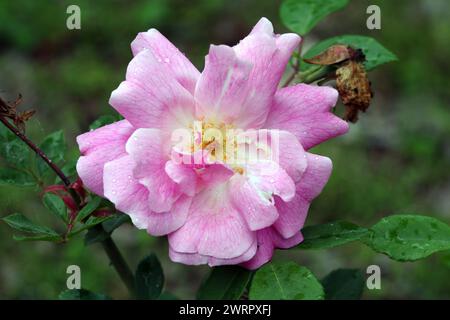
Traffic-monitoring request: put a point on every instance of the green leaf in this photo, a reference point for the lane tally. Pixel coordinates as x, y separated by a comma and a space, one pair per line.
56, 205
409, 237
344, 284
104, 120
116, 221
54, 146
224, 283
302, 15
285, 281
22, 223
95, 235
15, 152
69, 169
375, 53
149, 278
82, 294
93, 221
37, 238
13, 177
90, 207
109, 224
330, 235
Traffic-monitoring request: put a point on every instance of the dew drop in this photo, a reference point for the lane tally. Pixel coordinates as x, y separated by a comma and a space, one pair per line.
159, 60
167, 60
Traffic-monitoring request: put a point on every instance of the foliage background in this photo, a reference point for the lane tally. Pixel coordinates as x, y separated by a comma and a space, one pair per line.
394, 160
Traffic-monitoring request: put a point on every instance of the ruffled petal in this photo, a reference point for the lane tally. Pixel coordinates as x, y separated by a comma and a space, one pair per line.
162, 223
305, 110
269, 55
222, 86
268, 240
198, 259
149, 150
292, 214
151, 97
97, 148
164, 51
258, 211
132, 198
122, 189
270, 179
213, 228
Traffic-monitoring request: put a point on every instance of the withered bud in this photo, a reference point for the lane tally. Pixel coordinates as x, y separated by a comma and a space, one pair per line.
352, 82
9, 110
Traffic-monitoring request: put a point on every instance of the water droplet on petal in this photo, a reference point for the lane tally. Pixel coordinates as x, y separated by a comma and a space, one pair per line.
166, 60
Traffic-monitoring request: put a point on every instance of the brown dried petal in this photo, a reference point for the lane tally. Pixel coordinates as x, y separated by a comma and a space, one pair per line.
334, 54
354, 89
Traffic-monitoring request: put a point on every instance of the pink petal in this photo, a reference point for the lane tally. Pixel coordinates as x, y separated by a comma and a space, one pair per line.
269, 178
194, 171
263, 26
247, 255
132, 198
269, 55
213, 227
148, 149
293, 213
268, 240
122, 189
193, 259
197, 259
258, 211
151, 97
162, 223
285, 149
222, 86
97, 148
305, 110
183, 175
292, 156
214, 174
182, 69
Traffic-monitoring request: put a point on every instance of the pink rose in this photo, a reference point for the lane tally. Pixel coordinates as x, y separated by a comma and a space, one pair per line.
215, 208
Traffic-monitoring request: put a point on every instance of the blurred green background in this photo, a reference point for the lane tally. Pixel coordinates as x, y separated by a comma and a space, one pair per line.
396, 159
